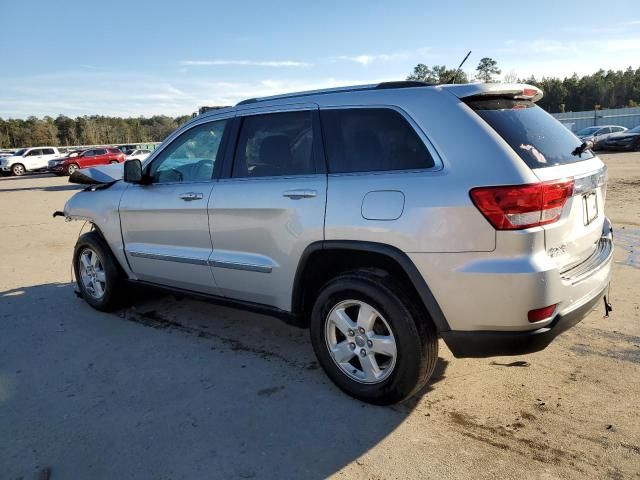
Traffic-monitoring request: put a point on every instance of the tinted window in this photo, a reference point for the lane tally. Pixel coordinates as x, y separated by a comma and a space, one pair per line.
34, 152
538, 138
47, 151
89, 153
617, 129
275, 144
100, 151
191, 157
604, 131
372, 139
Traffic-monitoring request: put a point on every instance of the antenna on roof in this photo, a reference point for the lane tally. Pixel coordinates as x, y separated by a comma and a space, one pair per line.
455, 74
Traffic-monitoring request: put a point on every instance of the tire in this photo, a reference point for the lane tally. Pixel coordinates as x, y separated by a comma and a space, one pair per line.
106, 295
397, 319
72, 168
18, 169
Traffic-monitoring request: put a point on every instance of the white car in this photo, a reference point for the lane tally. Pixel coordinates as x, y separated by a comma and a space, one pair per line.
140, 154
28, 160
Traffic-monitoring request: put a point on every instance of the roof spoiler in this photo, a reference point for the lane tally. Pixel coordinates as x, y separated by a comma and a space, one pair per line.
517, 91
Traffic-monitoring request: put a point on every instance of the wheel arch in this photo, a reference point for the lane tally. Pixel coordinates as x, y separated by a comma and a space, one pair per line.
322, 260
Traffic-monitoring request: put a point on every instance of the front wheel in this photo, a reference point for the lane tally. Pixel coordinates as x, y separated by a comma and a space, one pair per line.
371, 339
98, 276
18, 169
71, 168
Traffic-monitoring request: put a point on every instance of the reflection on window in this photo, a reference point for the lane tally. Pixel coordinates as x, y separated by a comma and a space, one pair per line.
191, 157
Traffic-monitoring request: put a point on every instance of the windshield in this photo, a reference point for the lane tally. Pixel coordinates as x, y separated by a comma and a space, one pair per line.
588, 131
20, 152
538, 138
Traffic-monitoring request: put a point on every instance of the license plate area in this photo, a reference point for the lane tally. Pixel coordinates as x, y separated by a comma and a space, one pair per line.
589, 207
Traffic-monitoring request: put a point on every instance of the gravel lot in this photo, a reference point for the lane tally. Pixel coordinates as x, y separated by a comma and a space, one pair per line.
173, 388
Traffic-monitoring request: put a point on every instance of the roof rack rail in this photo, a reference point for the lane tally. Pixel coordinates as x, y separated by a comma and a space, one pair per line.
354, 88
403, 84
248, 100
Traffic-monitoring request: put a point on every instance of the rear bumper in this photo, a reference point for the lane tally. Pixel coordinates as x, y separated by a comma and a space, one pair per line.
481, 344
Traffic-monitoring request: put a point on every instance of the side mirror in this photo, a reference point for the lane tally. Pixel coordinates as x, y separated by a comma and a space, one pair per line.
132, 171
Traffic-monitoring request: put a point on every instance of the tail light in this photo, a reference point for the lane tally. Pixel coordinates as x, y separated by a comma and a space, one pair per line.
516, 207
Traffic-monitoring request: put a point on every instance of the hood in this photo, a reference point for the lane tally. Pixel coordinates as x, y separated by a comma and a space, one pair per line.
104, 174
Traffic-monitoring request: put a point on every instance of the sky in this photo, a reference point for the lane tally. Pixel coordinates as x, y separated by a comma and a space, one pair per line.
133, 58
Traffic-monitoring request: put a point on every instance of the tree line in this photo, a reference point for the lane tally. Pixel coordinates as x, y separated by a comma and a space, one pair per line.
87, 130
602, 89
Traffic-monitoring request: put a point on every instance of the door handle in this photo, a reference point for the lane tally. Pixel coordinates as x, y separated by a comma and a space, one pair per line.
297, 194
190, 196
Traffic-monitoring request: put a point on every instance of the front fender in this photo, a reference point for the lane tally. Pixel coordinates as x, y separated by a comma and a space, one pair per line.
101, 208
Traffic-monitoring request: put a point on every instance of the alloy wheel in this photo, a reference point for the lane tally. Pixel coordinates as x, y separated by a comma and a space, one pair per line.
92, 274
360, 341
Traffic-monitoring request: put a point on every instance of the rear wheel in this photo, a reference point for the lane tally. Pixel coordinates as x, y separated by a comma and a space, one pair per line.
72, 168
18, 169
98, 275
371, 339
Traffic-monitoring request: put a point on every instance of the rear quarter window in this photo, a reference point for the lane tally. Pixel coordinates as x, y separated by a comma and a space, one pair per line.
538, 138
371, 139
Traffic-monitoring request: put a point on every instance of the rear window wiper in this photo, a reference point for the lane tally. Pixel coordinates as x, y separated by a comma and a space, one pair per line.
580, 150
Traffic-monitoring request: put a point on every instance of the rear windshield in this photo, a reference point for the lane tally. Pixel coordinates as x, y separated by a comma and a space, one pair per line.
538, 138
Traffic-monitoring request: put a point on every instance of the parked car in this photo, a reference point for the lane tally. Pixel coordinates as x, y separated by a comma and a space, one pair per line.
139, 154
628, 140
55, 165
28, 160
599, 134
380, 231
87, 158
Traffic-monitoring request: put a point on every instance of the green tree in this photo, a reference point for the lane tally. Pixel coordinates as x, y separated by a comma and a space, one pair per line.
436, 74
486, 69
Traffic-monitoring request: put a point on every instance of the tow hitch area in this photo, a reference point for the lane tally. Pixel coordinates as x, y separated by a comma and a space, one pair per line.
607, 306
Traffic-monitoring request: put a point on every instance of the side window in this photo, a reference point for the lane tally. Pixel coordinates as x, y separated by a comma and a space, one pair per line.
100, 151
89, 153
371, 140
191, 157
275, 144
34, 153
617, 129
604, 131
47, 151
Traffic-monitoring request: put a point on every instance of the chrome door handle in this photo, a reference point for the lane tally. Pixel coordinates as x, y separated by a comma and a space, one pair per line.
299, 193
190, 196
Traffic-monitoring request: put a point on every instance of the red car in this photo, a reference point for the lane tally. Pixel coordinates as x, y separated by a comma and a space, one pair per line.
88, 158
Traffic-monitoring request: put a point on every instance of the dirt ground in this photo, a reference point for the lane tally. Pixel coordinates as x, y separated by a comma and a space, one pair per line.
174, 388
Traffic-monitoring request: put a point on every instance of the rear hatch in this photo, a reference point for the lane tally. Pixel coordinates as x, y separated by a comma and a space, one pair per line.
554, 155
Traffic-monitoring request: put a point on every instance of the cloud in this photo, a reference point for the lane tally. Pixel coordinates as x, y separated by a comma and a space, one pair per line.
368, 59
251, 63
130, 94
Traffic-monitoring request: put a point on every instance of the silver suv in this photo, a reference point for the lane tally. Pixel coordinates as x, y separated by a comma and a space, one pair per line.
382, 217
